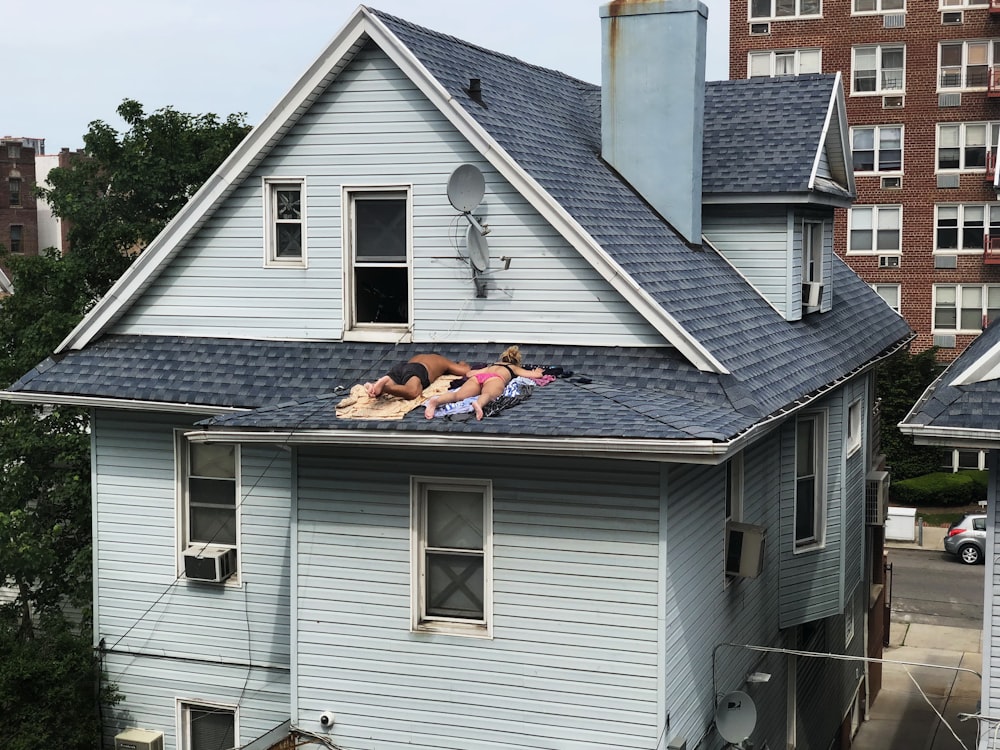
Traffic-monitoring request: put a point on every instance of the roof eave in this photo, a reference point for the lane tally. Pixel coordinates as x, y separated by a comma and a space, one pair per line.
951, 437
97, 402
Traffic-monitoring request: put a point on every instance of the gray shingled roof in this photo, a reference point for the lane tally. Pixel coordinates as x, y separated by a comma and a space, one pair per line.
974, 406
549, 123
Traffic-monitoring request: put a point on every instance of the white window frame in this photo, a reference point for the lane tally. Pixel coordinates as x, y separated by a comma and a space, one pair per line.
990, 226
878, 10
813, 236
963, 83
271, 187
183, 719
882, 289
952, 4
962, 294
818, 420
797, 61
182, 448
955, 464
880, 88
850, 613
786, 17
734, 504
855, 426
420, 620
992, 134
876, 211
877, 148
370, 331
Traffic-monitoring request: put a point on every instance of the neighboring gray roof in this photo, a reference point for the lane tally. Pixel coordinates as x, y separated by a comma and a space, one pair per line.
975, 406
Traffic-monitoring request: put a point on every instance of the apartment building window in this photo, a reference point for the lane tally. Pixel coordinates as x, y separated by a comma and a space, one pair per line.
16, 238
810, 484
966, 64
878, 148
284, 220
790, 62
766, 9
963, 145
878, 69
889, 294
875, 229
962, 227
963, 3
14, 185
13, 150
966, 308
878, 6
206, 727
208, 492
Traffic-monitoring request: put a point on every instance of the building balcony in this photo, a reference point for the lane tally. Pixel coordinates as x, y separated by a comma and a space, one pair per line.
993, 81
991, 250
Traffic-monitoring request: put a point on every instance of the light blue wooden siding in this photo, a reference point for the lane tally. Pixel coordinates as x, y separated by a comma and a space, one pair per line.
757, 242
150, 621
823, 168
374, 127
812, 580
574, 658
990, 695
855, 474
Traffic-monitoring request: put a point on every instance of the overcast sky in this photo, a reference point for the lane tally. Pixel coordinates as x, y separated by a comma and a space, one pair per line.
78, 59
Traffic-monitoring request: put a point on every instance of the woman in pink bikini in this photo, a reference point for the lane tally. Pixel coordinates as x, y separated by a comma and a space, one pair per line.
487, 383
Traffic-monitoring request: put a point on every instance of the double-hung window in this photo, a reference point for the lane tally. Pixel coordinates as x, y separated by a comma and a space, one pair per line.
855, 423
878, 6
966, 64
810, 483
877, 148
14, 185
284, 222
790, 62
963, 227
963, 146
451, 544
965, 308
889, 294
378, 263
209, 494
13, 150
762, 10
16, 238
206, 727
812, 252
875, 229
878, 69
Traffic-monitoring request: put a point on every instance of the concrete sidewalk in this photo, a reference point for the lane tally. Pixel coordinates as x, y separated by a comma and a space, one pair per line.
902, 718
929, 538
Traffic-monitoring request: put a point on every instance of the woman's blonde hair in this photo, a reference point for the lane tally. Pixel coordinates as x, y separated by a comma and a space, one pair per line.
511, 355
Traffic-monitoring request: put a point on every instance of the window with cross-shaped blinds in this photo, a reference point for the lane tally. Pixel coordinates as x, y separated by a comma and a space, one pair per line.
451, 541
284, 222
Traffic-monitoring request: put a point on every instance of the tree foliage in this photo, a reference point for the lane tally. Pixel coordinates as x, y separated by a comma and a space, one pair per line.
900, 382
116, 198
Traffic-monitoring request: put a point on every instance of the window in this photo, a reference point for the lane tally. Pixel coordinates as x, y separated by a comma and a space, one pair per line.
14, 184
284, 219
966, 64
854, 426
204, 727
210, 487
784, 63
734, 488
962, 227
812, 252
810, 489
878, 148
878, 6
451, 528
889, 294
764, 9
878, 70
16, 238
13, 150
875, 229
963, 3
965, 307
379, 247
959, 460
964, 145
850, 612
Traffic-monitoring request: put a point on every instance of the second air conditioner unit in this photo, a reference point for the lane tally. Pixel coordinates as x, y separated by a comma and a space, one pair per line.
139, 739
212, 564
812, 294
744, 549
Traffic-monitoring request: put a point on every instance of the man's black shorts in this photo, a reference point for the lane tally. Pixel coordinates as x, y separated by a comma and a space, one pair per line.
403, 371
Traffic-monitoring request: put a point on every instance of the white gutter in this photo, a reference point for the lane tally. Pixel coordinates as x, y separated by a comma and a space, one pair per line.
951, 437
92, 402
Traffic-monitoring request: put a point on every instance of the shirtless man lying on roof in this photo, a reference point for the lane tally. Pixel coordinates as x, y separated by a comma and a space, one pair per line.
408, 379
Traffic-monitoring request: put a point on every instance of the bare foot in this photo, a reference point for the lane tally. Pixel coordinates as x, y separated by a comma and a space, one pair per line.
431, 406
370, 390
478, 409
375, 389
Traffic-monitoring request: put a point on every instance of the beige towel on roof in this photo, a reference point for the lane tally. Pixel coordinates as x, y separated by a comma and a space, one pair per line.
359, 405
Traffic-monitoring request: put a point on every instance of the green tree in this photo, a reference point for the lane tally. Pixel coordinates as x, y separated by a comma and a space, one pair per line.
116, 198
900, 382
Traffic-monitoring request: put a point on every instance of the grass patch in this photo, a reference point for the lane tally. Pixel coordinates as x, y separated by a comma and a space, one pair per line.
940, 519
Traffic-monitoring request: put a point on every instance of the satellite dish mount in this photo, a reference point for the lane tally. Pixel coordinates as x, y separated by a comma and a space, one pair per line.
466, 188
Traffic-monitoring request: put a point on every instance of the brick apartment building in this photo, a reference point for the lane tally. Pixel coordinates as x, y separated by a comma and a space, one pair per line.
923, 101
18, 206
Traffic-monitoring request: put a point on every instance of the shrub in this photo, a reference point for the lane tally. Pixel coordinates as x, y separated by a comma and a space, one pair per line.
940, 489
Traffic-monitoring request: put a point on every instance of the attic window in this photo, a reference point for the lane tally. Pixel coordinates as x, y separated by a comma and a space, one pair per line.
284, 222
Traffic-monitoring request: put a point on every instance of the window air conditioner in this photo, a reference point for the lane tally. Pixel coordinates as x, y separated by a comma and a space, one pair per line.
888, 261
951, 16
876, 497
139, 739
760, 28
892, 102
213, 564
744, 549
892, 183
812, 294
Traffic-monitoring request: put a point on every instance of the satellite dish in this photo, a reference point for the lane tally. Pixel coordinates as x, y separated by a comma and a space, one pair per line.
466, 188
478, 249
735, 716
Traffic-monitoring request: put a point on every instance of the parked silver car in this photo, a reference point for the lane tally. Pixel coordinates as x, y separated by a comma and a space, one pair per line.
967, 538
